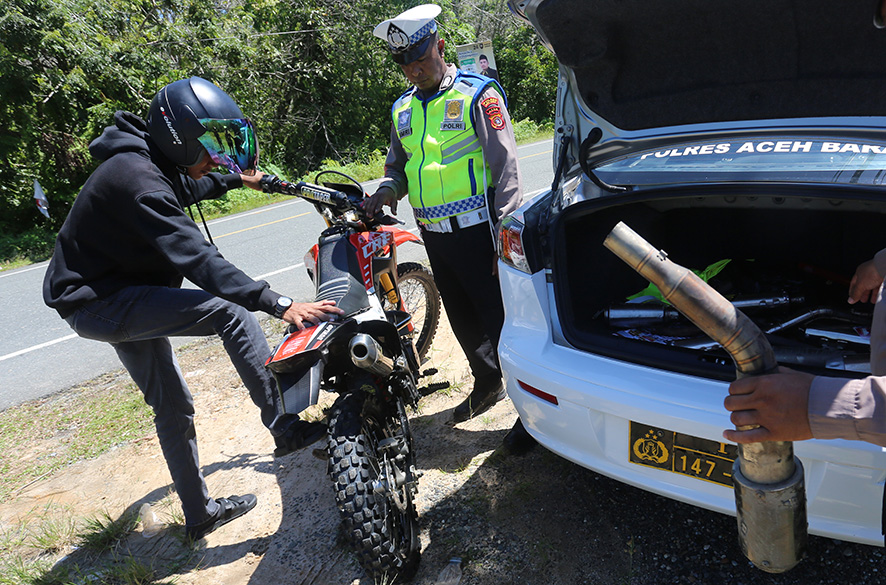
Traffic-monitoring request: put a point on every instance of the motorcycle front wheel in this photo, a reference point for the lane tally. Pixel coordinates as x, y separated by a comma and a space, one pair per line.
371, 463
421, 300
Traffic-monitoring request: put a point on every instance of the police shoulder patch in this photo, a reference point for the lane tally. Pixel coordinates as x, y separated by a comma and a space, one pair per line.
492, 110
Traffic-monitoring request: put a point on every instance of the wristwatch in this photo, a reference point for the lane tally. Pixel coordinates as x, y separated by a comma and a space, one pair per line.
280, 307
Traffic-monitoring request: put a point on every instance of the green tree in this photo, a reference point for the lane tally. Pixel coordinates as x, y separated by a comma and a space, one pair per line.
327, 85
67, 65
310, 74
529, 71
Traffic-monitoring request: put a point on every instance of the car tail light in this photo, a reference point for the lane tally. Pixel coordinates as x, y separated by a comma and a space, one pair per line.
510, 244
539, 393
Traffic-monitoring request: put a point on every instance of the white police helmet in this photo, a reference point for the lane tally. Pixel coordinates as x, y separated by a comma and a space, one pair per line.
409, 33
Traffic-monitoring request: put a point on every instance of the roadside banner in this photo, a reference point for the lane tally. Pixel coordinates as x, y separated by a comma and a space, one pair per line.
478, 58
40, 199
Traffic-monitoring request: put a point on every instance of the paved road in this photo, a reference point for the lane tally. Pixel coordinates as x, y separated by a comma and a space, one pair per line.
40, 354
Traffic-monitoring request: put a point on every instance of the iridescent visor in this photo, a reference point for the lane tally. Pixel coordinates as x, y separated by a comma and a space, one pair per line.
231, 144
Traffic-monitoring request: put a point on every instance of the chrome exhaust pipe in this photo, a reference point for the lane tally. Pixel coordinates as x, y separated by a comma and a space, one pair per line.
367, 354
770, 494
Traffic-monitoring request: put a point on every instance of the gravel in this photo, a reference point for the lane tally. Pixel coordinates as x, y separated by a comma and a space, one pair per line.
547, 521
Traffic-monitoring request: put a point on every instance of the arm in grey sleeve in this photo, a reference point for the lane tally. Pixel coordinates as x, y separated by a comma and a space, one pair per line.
848, 409
880, 262
395, 165
854, 409
496, 136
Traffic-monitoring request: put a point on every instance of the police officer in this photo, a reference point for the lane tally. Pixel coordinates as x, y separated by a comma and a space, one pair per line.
453, 152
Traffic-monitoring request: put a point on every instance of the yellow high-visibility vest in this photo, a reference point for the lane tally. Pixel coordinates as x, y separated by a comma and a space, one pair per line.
446, 172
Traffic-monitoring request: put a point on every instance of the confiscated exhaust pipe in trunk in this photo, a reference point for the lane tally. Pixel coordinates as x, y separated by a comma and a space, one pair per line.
366, 353
770, 496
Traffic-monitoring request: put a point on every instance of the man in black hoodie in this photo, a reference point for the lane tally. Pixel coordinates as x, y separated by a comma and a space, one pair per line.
124, 249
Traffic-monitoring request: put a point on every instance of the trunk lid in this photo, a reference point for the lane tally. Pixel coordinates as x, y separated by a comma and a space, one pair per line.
637, 65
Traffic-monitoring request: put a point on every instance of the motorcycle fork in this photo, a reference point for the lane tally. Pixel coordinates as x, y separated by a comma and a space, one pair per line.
388, 288
396, 473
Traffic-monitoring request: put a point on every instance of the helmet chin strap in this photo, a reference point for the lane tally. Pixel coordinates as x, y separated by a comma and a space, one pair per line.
202, 219
184, 171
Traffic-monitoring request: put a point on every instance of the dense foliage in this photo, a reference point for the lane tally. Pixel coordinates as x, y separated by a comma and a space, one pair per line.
309, 72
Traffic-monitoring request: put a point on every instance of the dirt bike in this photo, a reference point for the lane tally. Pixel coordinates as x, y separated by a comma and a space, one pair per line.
371, 356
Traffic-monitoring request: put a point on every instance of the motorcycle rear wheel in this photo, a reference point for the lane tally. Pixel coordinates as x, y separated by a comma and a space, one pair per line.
384, 535
422, 300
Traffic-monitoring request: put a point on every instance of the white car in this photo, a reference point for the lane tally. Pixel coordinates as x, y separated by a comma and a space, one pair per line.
748, 141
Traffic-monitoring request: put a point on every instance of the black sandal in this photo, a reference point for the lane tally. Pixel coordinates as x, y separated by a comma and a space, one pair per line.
228, 509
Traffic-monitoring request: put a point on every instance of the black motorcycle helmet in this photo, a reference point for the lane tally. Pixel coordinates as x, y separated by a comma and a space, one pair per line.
192, 116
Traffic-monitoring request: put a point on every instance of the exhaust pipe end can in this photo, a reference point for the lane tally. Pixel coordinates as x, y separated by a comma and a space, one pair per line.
772, 524
367, 354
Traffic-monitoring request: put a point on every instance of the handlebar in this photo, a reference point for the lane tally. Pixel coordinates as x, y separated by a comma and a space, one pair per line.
333, 199
339, 200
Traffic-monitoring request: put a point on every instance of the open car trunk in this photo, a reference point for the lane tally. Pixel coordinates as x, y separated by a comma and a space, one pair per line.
791, 252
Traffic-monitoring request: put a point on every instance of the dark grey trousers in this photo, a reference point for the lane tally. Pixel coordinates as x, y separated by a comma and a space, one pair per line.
462, 262
137, 321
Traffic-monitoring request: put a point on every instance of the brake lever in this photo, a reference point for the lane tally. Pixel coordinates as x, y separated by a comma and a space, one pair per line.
389, 220
379, 218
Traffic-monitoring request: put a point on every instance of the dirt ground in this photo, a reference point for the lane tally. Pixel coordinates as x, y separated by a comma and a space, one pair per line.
292, 536
531, 520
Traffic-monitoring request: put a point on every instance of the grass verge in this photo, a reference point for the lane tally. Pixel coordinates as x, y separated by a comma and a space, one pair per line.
40, 437
54, 544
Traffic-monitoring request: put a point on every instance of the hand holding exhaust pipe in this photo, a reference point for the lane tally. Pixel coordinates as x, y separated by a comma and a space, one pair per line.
775, 404
770, 495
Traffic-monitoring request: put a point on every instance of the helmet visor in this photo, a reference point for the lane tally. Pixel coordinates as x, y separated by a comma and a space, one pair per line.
231, 143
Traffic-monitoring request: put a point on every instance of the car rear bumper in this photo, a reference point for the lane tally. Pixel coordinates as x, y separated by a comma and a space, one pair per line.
597, 398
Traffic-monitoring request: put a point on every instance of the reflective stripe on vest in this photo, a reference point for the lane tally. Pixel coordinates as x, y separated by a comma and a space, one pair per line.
445, 165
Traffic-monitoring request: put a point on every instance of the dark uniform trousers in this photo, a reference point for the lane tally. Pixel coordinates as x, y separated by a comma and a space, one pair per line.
462, 262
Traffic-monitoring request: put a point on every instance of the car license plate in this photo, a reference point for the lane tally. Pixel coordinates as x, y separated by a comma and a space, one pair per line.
684, 454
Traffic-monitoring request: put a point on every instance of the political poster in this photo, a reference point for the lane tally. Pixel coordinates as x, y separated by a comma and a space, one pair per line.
478, 58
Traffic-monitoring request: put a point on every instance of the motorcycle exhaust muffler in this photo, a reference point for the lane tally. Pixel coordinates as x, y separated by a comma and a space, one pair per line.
367, 354
770, 494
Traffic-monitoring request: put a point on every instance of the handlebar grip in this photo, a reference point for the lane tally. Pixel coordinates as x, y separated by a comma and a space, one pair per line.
271, 184
323, 195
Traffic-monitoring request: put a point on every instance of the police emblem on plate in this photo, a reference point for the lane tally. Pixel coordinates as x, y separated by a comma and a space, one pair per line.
680, 453
650, 448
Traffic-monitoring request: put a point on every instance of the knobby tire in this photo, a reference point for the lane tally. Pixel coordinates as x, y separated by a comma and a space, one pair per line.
384, 538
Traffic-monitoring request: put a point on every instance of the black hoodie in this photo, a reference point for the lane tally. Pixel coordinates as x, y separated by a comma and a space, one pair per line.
128, 227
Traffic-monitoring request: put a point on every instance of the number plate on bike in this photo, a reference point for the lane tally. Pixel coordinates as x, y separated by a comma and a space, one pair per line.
684, 454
